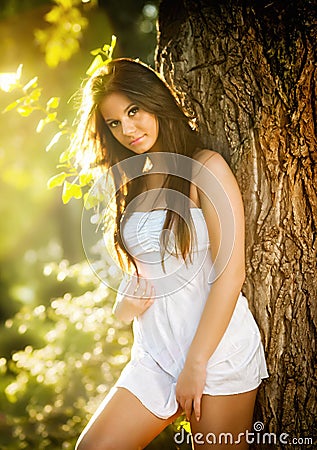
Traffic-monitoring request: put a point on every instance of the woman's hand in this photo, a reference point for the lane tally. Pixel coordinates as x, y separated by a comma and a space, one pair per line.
135, 300
189, 388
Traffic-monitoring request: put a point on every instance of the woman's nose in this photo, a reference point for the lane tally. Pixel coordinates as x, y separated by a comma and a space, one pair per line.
128, 127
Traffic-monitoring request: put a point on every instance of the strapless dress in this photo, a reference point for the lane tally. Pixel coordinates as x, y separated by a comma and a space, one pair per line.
164, 332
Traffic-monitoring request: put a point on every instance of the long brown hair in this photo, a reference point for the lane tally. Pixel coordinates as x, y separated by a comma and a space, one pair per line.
177, 134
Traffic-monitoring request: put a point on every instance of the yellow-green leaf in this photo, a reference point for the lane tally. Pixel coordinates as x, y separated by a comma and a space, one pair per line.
32, 83
40, 126
53, 103
67, 4
70, 190
67, 155
56, 180
95, 52
113, 44
54, 15
97, 62
11, 106
19, 71
63, 124
50, 117
186, 425
113, 41
90, 201
85, 178
36, 94
54, 140
25, 110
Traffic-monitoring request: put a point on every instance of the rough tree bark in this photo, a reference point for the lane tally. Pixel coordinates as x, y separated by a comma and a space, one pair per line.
249, 72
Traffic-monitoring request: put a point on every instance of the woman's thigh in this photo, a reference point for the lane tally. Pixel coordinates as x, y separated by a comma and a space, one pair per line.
121, 422
224, 421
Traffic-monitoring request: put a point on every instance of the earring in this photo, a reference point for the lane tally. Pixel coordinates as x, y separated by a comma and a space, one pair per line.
147, 165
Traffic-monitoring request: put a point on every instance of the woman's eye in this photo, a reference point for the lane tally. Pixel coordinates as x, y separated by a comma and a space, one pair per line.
133, 110
114, 124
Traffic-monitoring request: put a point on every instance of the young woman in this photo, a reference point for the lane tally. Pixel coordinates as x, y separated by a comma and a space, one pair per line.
180, 225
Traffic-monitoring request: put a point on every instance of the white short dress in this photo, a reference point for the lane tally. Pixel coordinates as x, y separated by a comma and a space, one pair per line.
163, 334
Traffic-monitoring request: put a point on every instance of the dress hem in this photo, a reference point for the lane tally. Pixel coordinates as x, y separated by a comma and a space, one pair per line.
164, 417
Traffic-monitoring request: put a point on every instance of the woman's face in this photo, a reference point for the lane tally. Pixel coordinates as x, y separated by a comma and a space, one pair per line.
133, 127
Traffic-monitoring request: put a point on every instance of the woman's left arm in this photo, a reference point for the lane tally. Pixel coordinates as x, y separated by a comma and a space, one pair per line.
222, 206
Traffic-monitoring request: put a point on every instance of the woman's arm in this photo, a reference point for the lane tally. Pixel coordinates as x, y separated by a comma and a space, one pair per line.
223, 210
133, 299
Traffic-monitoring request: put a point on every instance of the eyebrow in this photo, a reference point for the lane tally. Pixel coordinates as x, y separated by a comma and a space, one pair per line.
125, 110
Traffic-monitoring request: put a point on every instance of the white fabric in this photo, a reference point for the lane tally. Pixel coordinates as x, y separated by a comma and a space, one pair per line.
163, 334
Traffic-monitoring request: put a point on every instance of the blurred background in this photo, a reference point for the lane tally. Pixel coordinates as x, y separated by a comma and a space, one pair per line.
35, 225
60, 347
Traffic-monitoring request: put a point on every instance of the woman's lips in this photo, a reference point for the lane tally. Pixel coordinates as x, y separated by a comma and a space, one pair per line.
137, 140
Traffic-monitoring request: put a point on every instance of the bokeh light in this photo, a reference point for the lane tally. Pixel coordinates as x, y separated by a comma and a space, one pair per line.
61, 349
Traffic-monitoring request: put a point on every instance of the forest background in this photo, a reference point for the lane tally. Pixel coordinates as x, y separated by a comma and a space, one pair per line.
60, 347
248, 68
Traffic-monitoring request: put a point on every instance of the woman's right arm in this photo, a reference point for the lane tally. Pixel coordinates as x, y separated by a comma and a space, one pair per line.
133, 299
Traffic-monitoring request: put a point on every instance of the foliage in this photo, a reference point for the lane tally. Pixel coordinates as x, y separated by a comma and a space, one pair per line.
31, 100
51, 388
60, 41
79, 348
106, 51
75, 348
50, 391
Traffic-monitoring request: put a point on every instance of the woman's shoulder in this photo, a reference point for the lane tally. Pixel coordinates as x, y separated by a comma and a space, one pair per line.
209, 158
220, 170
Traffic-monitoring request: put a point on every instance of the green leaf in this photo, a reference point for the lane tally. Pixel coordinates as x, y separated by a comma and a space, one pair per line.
90, 201
70, 190
36, 94
113, 44
97, 62
67, 155
57, 180
31, 84
25, 110
85, 179
96, 51
186, 425
107, 61
53, 103
54, 140
11, 106
54, 15
50, 117
67, 4
19, 71
63, 124
40, 126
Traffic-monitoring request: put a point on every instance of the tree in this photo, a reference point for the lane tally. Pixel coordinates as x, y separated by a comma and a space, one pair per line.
248, 70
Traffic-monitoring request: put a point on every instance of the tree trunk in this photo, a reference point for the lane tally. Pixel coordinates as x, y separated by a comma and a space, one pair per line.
248, 70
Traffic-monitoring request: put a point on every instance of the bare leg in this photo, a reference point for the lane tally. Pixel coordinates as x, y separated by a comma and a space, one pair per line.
121, 423
231, 414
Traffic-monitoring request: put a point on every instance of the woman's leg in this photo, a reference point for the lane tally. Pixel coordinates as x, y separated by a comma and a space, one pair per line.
122, 423
226, 414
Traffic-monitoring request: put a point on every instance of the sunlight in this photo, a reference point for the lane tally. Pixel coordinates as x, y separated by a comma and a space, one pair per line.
9, 80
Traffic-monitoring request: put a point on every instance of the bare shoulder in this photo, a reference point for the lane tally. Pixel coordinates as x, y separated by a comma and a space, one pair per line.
203, 154
218, 173
213, 161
